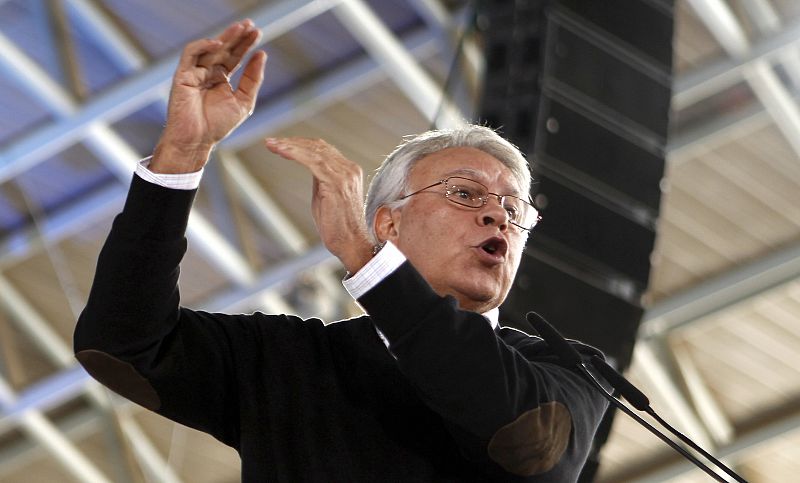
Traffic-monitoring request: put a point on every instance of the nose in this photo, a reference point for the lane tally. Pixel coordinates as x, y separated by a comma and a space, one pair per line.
493, 213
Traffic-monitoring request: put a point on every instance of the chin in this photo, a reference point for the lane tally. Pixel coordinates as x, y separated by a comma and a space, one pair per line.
479, 301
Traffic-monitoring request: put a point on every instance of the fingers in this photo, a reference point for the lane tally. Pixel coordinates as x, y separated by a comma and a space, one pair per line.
238, 51
232, 31
324, 161
195, 50
251, 80
209, 62
236, 40
303, 150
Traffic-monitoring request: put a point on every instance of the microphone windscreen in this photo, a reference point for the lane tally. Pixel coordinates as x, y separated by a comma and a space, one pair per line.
558, 344
628, 390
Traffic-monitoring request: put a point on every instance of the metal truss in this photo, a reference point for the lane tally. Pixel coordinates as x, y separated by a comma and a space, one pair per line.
89, 123
670, 370
388, 57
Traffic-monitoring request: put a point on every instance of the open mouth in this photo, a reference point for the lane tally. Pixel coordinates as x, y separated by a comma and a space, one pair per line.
495, 246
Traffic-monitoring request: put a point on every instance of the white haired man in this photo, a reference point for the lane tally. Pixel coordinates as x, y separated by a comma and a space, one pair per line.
424, 387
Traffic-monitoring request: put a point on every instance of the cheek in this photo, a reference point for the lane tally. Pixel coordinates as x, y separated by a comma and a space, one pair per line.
432, 240
515, 252
431, 224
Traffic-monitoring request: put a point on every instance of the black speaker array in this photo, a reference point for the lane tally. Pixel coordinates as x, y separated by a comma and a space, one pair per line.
583, 87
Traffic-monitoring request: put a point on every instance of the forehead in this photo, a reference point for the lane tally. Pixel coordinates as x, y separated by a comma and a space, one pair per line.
464, 161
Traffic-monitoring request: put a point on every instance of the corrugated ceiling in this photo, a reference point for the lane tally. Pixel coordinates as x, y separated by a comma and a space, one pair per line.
720, 346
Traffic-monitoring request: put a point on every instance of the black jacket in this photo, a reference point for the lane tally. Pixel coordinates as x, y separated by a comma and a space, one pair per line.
304, 401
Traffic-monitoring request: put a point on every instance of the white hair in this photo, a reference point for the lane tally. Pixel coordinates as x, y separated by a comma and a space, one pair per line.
391, 179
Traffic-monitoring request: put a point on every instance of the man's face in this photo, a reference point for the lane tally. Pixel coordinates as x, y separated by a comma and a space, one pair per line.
471, 254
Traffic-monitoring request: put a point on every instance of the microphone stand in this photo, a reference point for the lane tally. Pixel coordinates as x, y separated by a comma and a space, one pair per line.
571, 359
639, 401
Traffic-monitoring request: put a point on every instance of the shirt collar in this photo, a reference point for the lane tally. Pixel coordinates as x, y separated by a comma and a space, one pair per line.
493, 315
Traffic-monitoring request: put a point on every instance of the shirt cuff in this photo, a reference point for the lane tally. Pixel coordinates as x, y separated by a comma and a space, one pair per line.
379, 267
182, 181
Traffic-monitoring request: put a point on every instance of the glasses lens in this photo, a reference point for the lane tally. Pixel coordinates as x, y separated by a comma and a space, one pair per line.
515, 208
520, 212
465, 192
470, 193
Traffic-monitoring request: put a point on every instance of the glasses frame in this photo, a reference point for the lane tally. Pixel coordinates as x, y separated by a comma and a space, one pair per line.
484, 199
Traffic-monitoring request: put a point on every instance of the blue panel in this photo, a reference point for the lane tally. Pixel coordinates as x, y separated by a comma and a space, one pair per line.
63, 178
325, 44
97, 70
19, 112
163, 27
143, 128
23, 24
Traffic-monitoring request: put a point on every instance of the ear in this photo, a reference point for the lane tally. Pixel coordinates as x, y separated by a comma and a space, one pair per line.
387, 224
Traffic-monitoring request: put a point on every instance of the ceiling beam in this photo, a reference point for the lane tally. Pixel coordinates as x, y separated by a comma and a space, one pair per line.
44, 395
708, 409
682, 146
334, 85
108, 147
68, 383
117, 154
122, 99
452, 30
107, 36
715, 77
269, 215
653, 359
759, 74
403, 69
120, 157
26, 73
735, 286
265, 284
38, 427
24, 452
737, 448
65, 221
123, 51
767, 19
112, 149
301, 103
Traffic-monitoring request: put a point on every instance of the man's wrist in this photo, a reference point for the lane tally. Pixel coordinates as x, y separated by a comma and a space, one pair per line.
358, 256
174, 159
380, 266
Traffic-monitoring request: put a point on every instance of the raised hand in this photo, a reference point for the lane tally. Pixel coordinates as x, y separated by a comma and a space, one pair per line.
337, 198
203, 105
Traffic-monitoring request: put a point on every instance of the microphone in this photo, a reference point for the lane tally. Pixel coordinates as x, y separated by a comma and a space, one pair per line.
639, 401
630, 392
570, 359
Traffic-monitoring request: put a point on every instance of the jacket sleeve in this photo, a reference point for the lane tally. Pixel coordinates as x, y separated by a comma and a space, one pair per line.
133, 336
507, 403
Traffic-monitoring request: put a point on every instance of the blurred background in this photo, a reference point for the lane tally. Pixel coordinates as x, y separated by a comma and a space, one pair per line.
674, 246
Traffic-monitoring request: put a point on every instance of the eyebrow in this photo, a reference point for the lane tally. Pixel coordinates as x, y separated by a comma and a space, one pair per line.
479, 176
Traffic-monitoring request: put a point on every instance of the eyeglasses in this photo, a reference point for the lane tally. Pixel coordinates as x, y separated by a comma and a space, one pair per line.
470, 193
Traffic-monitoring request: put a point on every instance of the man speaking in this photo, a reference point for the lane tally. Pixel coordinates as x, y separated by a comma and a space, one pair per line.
426, 386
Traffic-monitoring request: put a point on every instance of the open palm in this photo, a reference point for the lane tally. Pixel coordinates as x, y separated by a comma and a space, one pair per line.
204, 107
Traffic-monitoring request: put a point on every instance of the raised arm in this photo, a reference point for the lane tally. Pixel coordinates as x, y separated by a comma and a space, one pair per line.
133, 336
203, 106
